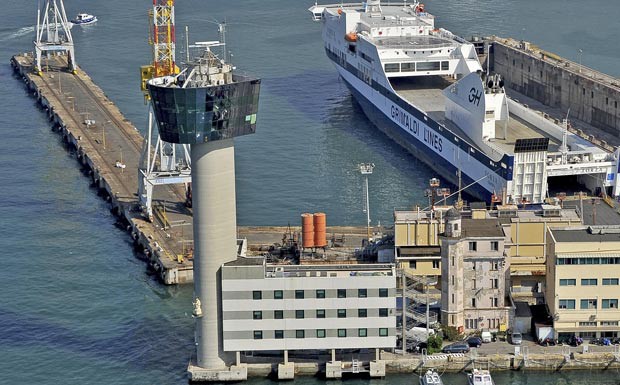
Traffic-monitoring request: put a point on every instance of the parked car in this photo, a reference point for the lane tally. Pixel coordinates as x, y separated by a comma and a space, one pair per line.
486, 336
516, 338
457, 347
474, 342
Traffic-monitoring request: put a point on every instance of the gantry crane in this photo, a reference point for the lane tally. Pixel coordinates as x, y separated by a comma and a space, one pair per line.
159, 164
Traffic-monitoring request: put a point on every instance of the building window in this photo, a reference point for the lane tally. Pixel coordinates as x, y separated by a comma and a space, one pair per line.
342, 293
342, 313
473, 246
568, 282
452, 261
452, 297
494, 245
589, 282
299, 314
257, 314
495, 283
320, 313
278, 294
413, 265
435, 264
362, 332
495, 302
587, 323
278, 314
362, 293
300, 334
473, 302
610, 281
278, 334
589, 303
566, 304
342, 333
609, 323
320, 293
299, 294
383, 332
383, 312
257, 294
610, 304
258, 334
495, 265
362, 313
452, 280
320, 333
383, 292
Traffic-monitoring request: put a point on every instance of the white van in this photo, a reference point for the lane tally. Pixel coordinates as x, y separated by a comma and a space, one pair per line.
486, 336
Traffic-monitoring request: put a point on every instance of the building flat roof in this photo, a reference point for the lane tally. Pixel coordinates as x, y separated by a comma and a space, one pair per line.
587, 234
481, 228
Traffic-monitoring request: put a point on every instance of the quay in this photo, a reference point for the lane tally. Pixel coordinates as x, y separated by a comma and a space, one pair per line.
108, 146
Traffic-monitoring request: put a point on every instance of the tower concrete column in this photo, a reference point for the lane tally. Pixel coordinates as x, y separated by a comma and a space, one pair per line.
215, 242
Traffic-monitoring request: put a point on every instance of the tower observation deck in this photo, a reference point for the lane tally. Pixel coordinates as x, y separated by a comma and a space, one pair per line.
207, 105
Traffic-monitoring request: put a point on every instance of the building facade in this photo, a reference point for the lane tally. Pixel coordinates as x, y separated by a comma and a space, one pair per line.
583, 281
307, 307
475, 274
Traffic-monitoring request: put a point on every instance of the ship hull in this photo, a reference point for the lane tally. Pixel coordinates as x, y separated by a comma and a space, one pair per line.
428, 151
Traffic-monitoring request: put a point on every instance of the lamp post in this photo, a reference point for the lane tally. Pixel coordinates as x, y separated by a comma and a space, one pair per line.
103, 134
580, 54
366, 169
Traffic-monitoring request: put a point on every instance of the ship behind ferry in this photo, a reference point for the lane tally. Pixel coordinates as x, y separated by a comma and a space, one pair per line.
425, 88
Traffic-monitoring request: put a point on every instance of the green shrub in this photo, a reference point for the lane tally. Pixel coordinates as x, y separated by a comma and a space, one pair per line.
434, 343
451, 333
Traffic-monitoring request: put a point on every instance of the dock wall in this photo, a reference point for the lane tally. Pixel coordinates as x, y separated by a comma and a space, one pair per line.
146, 240
591, 96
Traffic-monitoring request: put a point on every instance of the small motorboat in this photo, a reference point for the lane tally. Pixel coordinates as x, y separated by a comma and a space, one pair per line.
84, 18
480, 377
431, 377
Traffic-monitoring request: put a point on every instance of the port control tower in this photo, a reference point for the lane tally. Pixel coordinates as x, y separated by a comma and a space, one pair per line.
206, 106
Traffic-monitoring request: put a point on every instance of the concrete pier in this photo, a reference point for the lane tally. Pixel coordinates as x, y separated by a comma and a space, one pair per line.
109, 146
557, 85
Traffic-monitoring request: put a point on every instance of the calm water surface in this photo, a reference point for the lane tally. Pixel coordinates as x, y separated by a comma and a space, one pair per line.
77, 307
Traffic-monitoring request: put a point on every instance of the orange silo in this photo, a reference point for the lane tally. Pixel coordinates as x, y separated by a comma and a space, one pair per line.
307, 230
320, 224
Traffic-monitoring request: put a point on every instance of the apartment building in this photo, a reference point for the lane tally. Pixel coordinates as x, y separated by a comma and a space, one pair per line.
583, 281
475, 274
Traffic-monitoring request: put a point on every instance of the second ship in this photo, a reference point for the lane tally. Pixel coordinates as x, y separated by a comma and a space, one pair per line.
426, 89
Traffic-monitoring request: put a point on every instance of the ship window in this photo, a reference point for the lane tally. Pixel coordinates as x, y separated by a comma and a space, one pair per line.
428, 66
392, 67
445, 65
407, 67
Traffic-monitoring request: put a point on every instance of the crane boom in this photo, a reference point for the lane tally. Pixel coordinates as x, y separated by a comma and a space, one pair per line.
162, 38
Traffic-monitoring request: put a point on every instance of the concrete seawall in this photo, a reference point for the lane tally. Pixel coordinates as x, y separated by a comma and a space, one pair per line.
112, 183
591, 96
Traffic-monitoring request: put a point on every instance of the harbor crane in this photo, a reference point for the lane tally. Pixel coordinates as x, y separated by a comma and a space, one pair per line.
162, 163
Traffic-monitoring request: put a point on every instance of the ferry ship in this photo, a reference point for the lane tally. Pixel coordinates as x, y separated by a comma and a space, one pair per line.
425, 88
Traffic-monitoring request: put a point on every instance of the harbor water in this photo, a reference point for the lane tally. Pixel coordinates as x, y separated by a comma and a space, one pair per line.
78, 307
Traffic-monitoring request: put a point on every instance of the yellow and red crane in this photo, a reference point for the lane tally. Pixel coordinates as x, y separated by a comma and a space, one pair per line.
162, 38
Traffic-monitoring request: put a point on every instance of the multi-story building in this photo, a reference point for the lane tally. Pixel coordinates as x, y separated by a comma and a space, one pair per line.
583, 281
526, 231
315, 307
474, 274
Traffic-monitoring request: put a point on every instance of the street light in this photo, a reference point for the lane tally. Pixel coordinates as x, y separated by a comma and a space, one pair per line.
580, 54
366, 169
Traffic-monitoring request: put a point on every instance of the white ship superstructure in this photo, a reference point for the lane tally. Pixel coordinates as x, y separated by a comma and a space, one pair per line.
425, 88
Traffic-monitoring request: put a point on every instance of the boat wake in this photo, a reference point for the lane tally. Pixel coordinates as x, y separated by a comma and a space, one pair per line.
10, 35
